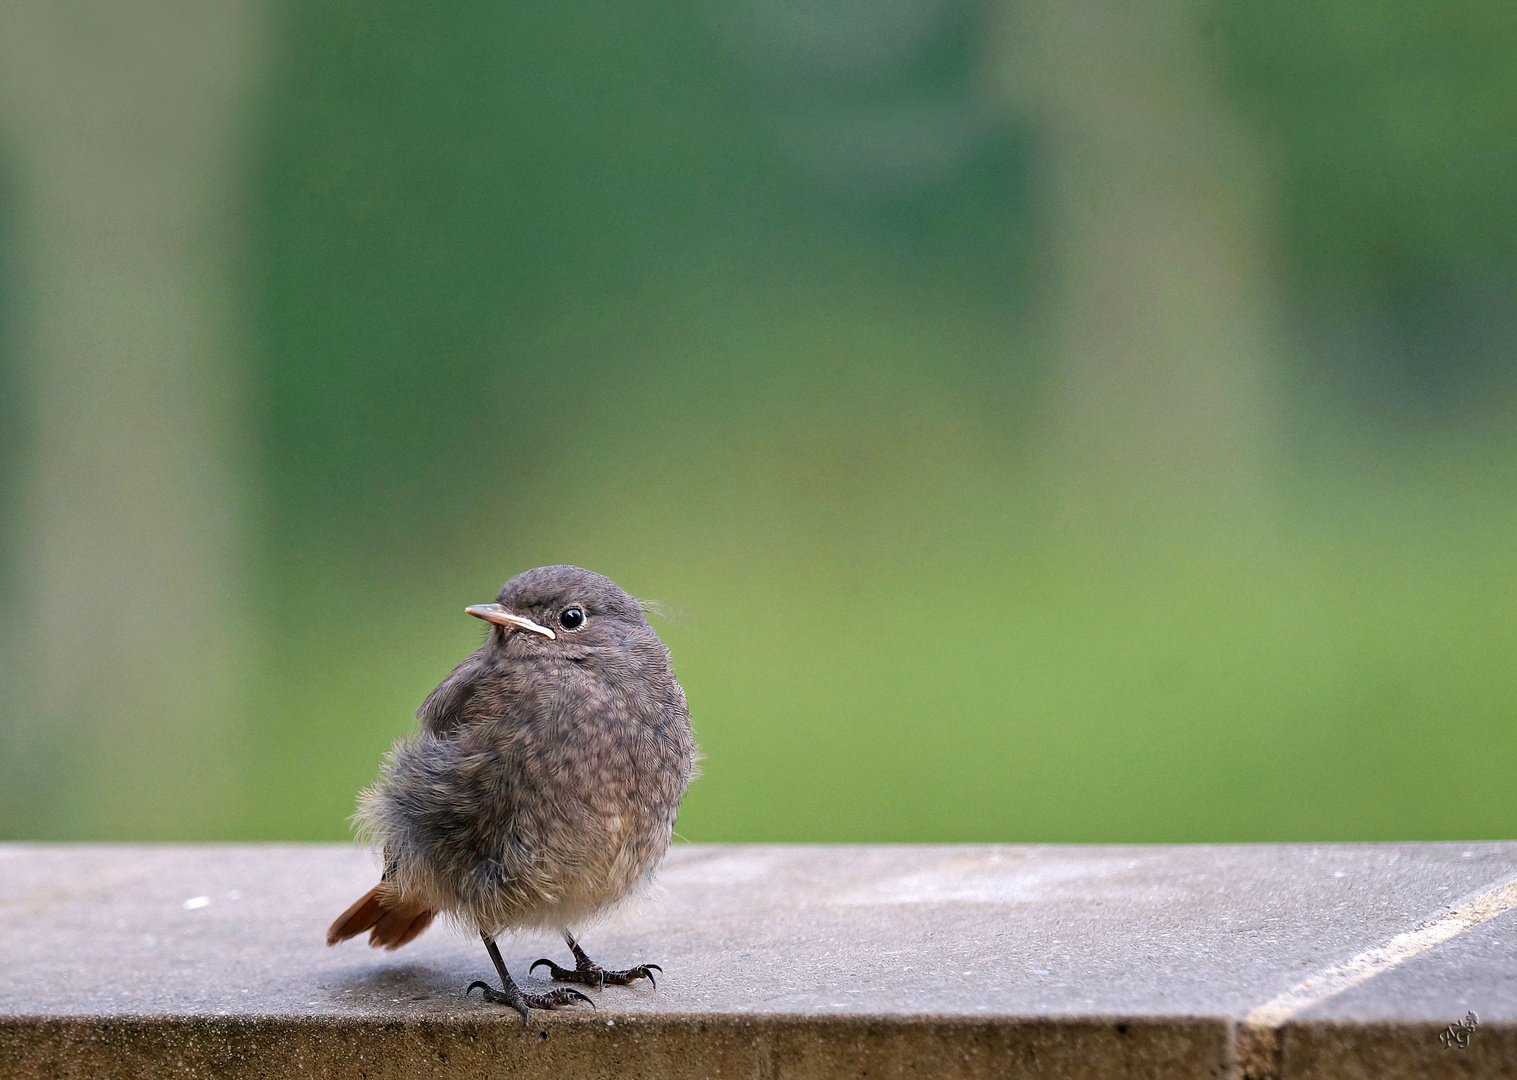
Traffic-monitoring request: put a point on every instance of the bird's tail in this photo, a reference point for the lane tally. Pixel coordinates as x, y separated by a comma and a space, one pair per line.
379, 911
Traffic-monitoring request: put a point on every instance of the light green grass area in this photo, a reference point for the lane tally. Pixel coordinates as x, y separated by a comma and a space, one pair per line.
1083, 423
892, 626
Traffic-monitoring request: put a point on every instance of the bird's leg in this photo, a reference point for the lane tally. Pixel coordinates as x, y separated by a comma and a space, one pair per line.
590, 973
510, 994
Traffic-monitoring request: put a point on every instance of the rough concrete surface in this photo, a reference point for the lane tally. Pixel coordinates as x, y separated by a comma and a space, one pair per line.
778, 961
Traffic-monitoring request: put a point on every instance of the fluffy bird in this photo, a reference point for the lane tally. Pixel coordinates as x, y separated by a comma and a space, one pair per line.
542, 786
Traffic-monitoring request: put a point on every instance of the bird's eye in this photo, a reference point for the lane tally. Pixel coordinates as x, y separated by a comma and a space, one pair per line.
572, 618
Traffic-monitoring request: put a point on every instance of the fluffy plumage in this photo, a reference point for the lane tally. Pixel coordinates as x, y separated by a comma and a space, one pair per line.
543, 784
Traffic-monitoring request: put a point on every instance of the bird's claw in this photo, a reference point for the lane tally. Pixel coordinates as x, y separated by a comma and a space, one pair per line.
643, 971
589, 976
564, 995
524, 1003
597, 976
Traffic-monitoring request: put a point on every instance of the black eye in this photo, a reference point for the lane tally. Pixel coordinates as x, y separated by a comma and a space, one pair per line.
572, 618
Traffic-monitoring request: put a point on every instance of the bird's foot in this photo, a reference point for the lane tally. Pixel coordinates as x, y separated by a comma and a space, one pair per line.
522, 1003
592, 974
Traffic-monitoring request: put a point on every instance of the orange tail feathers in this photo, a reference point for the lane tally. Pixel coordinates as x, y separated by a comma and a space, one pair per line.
389, 922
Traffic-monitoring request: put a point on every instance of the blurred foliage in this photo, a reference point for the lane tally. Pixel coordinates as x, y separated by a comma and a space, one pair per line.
444, 186
747, 306
548, 284
1395, 127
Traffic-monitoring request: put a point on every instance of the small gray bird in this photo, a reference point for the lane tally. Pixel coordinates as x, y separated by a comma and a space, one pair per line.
543, 785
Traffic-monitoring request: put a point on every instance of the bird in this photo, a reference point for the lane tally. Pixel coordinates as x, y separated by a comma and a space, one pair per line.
541, 787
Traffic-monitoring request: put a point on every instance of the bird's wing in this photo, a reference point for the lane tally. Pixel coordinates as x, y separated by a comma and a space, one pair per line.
443, 709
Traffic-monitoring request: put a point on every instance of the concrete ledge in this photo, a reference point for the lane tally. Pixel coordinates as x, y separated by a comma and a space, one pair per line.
1258, 961
677, 1046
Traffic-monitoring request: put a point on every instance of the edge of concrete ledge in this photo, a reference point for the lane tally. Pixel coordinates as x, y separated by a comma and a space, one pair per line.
1374, 1050
715, 1045
676, 1047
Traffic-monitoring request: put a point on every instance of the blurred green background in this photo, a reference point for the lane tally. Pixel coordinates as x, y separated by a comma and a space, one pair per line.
1084, 422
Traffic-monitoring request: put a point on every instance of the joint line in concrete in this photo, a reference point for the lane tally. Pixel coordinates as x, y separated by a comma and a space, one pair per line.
1332, 981
1258, 1044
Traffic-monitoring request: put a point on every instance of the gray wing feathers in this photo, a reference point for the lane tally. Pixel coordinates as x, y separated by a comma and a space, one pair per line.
443, 709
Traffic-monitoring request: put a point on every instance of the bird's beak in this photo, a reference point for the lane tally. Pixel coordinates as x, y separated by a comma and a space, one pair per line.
498, 615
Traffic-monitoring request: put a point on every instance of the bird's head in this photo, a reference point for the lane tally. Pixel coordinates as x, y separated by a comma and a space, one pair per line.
559, 608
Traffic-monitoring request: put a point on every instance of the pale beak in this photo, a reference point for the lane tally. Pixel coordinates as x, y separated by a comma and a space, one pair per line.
494, 613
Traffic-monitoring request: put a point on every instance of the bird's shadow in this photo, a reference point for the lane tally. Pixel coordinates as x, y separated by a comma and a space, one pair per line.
401, 984
414, 985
